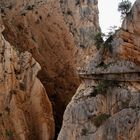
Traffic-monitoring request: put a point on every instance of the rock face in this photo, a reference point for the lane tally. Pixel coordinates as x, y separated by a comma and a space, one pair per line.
82, 20
38, 26
25, 110
59, 34
106, 105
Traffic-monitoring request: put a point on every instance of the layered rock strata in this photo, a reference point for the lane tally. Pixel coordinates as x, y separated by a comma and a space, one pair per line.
106, 105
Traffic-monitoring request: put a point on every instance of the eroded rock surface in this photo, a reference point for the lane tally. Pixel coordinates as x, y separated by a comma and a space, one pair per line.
82, 20
106, 104
59, 34
25, 110
38, 26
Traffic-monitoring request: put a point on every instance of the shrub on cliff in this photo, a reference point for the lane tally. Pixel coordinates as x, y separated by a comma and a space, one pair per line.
99, 40
99, 120
124, 7
103, 86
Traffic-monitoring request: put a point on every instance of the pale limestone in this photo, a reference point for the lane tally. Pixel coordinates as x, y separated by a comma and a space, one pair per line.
26, 111
112, 88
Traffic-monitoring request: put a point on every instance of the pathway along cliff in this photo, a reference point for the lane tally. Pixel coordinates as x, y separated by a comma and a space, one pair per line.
58, 36
106, 105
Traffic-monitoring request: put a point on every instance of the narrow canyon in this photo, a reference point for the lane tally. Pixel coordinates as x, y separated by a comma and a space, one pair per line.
56, 84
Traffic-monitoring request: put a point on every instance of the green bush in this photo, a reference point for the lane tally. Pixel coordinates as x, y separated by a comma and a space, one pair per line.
84, 132
124, 7
9, 133
99, 120
103, 65
108, 43
103, 86
99, 40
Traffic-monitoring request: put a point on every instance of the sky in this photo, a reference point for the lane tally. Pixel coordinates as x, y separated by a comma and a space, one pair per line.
108, 14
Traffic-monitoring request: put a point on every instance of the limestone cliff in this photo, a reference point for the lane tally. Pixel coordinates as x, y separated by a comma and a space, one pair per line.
25, 110
81, 16
106, 105
38, 26
59, 34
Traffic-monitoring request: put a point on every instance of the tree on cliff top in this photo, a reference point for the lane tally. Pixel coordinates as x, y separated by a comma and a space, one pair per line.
124, 7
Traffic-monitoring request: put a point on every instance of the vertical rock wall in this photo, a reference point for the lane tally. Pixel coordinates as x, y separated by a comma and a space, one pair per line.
81, 16
106, 104
25, 110
38, 26
59, 34
82, 19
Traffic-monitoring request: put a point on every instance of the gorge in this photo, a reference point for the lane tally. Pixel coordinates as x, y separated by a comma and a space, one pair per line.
47, 52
